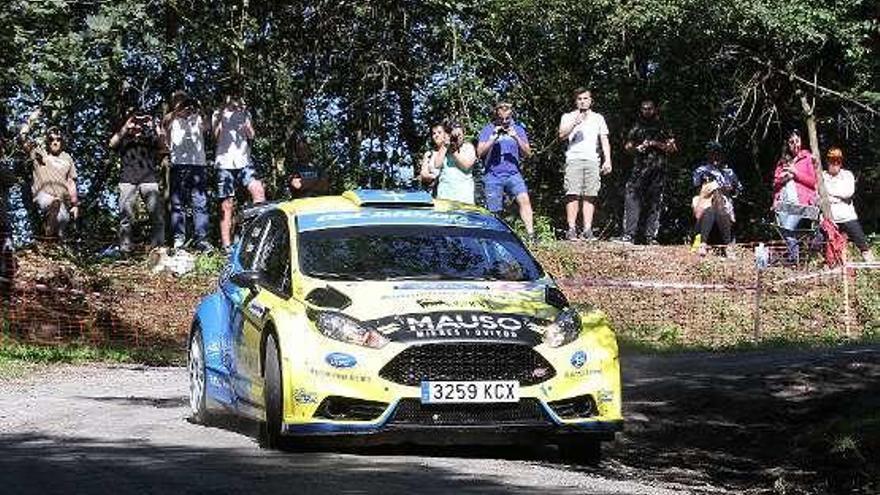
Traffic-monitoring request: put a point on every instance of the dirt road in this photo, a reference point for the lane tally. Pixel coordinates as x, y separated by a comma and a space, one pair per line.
698, 423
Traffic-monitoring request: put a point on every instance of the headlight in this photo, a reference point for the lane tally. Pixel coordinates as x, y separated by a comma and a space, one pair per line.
564, 329
345, 329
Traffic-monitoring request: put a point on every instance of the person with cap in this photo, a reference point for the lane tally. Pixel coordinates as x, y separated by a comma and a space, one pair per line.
54, 179
717, 185
502, 145
841, 185
583, 130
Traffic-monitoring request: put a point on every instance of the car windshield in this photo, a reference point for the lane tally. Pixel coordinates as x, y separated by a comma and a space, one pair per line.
415, 252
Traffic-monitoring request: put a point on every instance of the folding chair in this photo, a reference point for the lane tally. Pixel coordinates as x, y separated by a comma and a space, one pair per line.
799, 226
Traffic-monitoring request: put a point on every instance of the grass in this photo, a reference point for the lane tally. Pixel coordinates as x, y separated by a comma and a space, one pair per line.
639, 345
16, 357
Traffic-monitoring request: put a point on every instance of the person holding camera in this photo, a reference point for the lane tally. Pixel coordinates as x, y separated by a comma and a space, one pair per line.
651, 143
184, 137
54, 179
502, 145
137, 141
583, 130
450, 164
717, 185
233, 132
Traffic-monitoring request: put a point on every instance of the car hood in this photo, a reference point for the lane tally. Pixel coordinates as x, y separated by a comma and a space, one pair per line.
420, 311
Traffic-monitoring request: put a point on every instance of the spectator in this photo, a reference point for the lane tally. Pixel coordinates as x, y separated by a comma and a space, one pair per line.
450, 164
502, 144
54, 179
584, 129
841, 186
233, 131
794, 190
305, 179
184, 130
717, 185
137, 142
651, 143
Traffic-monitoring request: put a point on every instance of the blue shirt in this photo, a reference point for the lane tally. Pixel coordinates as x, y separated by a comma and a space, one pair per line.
502, 160
724, 176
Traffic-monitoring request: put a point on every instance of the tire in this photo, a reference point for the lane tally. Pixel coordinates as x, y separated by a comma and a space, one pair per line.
197, 378
272, 396
580, 450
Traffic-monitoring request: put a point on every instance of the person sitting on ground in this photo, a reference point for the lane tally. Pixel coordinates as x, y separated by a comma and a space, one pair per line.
233, 132
583, 130
841, 185
717, 185
305, 179
450, 164
794, 190
54, 180
138, 141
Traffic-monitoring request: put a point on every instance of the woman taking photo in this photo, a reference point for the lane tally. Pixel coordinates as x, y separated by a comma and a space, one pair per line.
794, 190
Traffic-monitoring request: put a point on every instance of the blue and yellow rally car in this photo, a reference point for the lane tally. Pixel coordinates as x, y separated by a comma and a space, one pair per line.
395, 317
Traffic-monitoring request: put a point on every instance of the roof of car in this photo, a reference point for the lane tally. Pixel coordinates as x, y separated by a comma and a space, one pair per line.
362, 207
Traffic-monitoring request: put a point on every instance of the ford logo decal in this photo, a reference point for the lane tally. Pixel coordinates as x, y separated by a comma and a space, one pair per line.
341, 360
578, 359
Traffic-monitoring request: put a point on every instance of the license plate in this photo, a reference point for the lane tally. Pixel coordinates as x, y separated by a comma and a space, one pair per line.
453, 392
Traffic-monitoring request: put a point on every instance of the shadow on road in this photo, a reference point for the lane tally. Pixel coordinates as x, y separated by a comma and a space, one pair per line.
772, 419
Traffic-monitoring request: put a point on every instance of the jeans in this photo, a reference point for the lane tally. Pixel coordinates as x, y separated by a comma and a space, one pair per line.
644, 189
189, 184
713, 216
149, 193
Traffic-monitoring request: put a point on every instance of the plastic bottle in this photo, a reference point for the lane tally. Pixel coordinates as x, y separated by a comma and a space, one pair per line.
762, 257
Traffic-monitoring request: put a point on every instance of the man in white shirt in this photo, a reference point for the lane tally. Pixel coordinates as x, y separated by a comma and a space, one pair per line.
583, 129
841, 185
233, 131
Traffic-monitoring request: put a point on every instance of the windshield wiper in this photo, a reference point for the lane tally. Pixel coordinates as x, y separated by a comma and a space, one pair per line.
335, 276
439, 276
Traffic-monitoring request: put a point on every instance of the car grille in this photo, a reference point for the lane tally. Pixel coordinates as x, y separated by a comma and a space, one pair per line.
524, 412
468, 362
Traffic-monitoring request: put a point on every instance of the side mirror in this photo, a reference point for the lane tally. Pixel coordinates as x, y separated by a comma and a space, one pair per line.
249, 279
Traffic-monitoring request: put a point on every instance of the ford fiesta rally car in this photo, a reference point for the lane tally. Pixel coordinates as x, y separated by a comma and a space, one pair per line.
393, 317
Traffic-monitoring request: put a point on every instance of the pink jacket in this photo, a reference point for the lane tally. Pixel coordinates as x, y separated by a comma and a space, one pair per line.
805, 179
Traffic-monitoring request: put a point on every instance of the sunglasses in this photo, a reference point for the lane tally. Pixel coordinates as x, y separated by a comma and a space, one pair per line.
54, 140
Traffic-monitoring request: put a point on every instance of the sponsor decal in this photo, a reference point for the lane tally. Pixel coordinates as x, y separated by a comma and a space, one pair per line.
581, 373
461, 325
341, 360
317, 221
605, 396
303, 396
340, 375
579, 359
257, 309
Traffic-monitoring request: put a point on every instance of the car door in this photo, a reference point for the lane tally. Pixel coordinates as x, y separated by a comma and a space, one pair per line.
272, 261
238, 298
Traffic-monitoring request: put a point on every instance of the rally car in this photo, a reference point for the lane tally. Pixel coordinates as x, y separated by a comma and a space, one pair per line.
394, 317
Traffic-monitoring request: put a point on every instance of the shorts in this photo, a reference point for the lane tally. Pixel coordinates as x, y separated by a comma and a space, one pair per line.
229, 178
497, 187
582, 177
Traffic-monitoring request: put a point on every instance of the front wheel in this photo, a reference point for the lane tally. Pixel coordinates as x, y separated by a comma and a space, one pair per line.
272, 397
197, 381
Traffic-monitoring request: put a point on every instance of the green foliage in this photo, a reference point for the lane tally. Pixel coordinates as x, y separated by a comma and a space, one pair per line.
209, 265
12, 353
363, 80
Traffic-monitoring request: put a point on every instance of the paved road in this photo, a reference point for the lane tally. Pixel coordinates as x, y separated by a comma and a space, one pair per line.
124, 429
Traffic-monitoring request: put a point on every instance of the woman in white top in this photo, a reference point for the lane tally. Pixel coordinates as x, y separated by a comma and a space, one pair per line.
450, 164
841, 185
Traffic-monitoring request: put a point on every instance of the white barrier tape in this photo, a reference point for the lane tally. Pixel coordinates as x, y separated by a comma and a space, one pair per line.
864, 265
828, 272
651, 284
